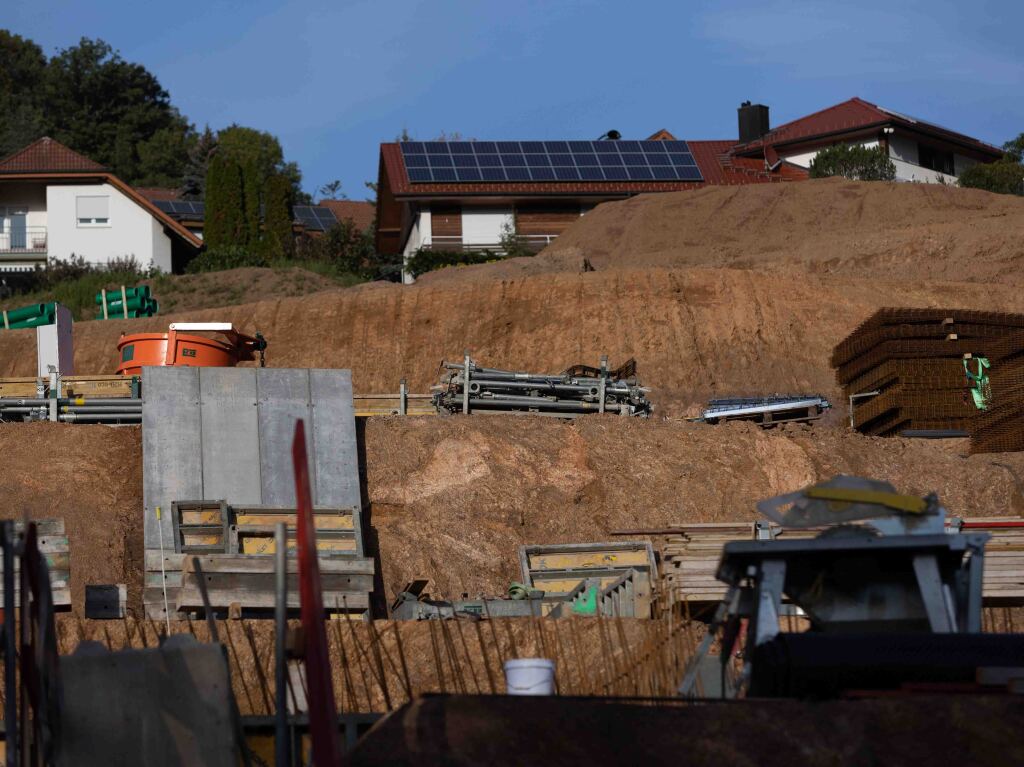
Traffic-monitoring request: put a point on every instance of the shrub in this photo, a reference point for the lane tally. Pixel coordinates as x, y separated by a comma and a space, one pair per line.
423, 260
226, 257
278, 241
1005, 176
853, 161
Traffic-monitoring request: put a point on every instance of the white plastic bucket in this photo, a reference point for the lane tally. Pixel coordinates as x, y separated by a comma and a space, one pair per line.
530, 676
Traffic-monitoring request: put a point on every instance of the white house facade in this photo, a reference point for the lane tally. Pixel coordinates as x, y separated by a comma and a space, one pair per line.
56, 204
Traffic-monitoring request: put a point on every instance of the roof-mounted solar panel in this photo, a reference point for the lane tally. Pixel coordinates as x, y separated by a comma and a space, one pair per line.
524, 161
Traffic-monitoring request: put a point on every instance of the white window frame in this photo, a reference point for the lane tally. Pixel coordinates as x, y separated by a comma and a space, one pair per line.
96, 222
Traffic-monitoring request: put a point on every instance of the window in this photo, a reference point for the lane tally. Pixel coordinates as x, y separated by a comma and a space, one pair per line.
935, 159
92, 211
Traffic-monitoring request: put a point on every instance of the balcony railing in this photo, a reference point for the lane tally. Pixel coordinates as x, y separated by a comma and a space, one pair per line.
30, 239
534, 242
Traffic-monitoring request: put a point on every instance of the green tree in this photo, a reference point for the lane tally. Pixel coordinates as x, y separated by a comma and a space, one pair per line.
853, 161
331, 191
193, 185
1004, 176
252, 203
224, 224
263, 151
349, 249
115, 112
278, 240
22, 69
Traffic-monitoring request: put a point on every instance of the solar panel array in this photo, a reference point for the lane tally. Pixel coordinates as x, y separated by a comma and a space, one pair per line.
181, 208
313, 217
548, 161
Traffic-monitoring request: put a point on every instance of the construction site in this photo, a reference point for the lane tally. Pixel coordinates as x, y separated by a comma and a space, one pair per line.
728, 474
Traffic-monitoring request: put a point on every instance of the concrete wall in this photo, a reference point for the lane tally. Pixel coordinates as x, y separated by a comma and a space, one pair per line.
418, 234
131, 231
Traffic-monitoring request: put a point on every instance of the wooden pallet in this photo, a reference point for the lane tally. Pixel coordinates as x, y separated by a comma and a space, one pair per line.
54, 546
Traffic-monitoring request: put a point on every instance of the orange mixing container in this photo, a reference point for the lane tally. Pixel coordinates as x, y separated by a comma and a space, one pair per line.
187, 350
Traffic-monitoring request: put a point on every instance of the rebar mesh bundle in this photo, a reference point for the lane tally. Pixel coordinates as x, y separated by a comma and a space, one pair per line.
914, 360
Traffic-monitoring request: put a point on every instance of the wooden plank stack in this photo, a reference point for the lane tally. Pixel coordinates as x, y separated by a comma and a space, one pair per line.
53, 545
690, 555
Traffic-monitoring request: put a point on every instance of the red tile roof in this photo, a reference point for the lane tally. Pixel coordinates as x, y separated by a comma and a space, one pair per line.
153, 193
853, 115
359, 212
47, 155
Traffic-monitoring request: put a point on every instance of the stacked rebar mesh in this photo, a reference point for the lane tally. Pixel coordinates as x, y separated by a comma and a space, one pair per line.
1000, 427
914, 360
466, 387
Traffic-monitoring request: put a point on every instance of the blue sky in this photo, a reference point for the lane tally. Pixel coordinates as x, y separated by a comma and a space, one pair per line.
333, 79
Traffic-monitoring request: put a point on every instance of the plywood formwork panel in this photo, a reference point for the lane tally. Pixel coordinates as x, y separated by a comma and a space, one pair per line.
172, 446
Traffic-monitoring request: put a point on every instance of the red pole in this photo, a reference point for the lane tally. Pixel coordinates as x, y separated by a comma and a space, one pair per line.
323, 714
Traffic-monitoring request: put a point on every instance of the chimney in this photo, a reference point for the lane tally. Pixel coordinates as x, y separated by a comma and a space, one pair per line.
753, 121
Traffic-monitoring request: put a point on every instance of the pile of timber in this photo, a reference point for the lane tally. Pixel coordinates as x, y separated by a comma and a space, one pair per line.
53, 545
913, 361
234, 546
467, 387
690, 555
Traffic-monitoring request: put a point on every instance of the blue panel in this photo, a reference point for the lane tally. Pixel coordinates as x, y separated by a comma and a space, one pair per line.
689, 173
517, 174
537, 160
606, 147
516, 160
413, 147
489, 160
542, 174
633, 158
557, 147
460, 147
610, 159
581, 146
464, 160
485, 147
440, 160
657, 158
639, 173
509, 146
468, 174
654, 146
436, 147
676, 146
493, 174
415, 161
682, 159
586, 159
664, 173
591, 174
532, 146
443, 174
567, 174
615, 174
628, 146
420, 175
562, 159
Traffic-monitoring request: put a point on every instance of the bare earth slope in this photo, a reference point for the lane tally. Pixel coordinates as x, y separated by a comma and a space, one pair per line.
822, 227
451, 499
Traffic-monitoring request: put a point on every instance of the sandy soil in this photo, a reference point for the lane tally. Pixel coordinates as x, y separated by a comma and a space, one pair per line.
452, 499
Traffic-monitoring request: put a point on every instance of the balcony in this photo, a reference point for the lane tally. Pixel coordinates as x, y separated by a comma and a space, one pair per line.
533, 242
31, 239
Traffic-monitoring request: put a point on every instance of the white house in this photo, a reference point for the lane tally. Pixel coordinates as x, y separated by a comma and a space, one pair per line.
57, 204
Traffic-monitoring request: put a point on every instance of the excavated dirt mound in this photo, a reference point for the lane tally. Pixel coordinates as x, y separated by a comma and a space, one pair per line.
694, 332
451, 499
823, 227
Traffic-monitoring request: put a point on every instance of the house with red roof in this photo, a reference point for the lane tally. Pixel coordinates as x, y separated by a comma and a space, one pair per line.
473, 195
56, 203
